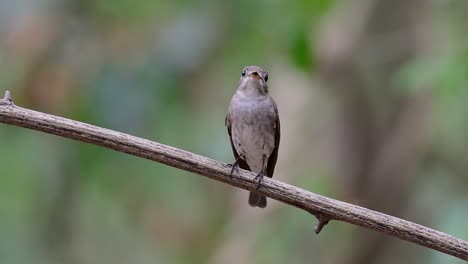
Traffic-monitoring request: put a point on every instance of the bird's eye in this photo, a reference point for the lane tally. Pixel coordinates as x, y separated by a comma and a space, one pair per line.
266, 77
244, 72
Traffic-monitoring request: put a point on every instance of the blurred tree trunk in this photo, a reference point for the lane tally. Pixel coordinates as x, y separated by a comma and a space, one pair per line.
383, 131
49, 85
60, 226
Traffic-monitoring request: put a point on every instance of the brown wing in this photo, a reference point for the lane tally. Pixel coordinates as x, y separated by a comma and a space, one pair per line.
242, 163
274, 155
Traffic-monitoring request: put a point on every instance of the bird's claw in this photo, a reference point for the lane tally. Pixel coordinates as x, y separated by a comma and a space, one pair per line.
234, 167
259, 179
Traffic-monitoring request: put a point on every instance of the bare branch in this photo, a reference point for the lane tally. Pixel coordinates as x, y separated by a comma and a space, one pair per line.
323, 207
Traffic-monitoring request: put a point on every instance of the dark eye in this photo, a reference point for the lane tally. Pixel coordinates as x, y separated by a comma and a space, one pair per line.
266, 77
244, 72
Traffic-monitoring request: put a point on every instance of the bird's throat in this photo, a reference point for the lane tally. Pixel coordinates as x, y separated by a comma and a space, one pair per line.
251, 89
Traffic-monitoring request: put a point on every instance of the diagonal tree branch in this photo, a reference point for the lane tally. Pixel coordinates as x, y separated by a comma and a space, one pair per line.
322, 207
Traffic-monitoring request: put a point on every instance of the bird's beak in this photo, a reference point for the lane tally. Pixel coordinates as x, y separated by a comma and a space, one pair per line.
254, 75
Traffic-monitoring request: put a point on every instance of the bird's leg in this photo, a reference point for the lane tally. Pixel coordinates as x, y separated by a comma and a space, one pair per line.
234, 166
260, 175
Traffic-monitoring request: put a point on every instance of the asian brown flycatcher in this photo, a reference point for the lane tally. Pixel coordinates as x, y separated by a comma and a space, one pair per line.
253, 125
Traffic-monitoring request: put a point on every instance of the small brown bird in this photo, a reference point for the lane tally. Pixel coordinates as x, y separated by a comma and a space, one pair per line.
254, 128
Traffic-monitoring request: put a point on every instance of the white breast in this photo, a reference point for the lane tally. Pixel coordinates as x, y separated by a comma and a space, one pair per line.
252, 129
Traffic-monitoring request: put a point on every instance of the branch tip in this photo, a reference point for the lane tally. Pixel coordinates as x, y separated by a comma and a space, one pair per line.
6, 100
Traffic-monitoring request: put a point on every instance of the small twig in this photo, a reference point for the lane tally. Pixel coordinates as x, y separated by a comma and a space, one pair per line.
322, 221
323, 207
6, 100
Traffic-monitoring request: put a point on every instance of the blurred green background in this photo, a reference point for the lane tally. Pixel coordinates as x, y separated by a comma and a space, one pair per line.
372, 98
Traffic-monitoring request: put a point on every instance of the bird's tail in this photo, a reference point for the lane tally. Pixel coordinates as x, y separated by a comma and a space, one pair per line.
257, 200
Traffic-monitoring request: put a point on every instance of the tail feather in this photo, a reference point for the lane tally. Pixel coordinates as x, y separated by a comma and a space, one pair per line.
257, 200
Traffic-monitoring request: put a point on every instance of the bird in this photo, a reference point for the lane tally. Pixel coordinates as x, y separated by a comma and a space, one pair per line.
253, 125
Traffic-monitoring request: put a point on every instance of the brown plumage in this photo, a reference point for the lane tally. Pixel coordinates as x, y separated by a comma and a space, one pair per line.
254, 128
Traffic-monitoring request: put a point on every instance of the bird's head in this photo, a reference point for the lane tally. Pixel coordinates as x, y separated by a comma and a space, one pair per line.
254, 79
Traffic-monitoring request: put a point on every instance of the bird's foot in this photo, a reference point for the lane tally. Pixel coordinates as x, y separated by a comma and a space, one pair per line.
259, 179
234, 167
